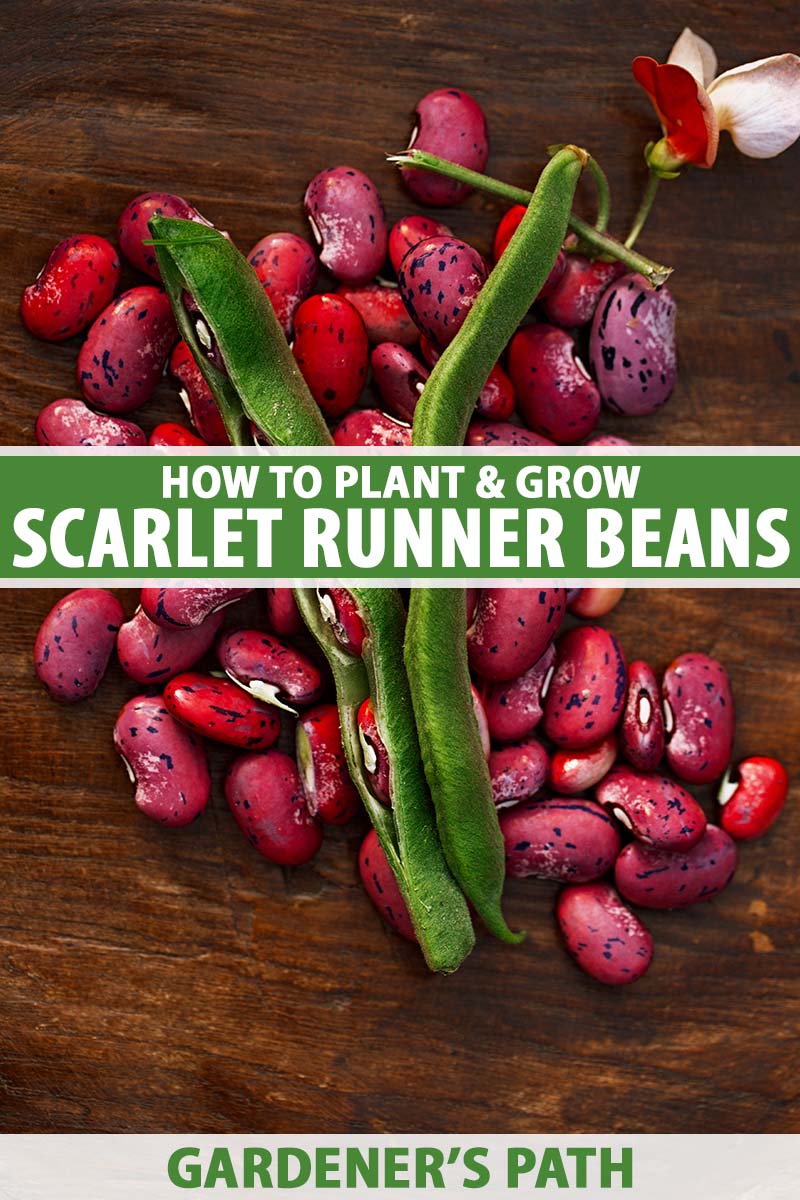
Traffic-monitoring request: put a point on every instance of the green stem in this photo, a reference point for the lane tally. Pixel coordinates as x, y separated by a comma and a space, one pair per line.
643, 211
600, 242
601, 184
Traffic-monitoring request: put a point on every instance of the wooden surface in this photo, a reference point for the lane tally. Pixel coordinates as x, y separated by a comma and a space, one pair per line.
156, 981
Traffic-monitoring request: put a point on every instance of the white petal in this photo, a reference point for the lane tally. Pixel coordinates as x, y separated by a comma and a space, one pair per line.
759, 104
695, 54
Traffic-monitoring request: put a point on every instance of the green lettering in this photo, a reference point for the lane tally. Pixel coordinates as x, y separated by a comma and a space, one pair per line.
285, 1157
428, 1166
520, 1161
220, 1167
552, 1168
608, 1167
366, 1169
326, 1163
480, 1172
255, 1165
581, 1154
182, 1173
395, 1165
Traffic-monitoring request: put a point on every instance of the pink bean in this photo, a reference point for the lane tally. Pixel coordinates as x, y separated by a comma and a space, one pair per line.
641, 733
266, 798
602, 935
71, 423
512, 629
514, 709
269, 669
287, 269
594, 602
573, 840
183, 608
451, 124
657, 878
75, 641
518, 771
587, 690
654, 808
371, 427
347, 218
122, 360
165, 761
151, 654
699, 717
74, 285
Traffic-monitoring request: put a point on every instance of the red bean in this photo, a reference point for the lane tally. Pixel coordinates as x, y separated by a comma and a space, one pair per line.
409, 232
514, 709
657, 878
330, 347
383, 312
329, 790
699, 717
399, 377
218, 709
266, 798
371, 427
269, 669
573, 771
183, 608
512, 629
282, 611
574, 298
381, 887
340, 610
196, 396
641, 733
75, 641
132, 229
573, 840
518, 771
165, 761
752, 797
122, 360
655, 808
172, 434
287, 268
74, 285
587, 690
556, 395
151, 654
347, 217
449, 123
71, 423
602, 935
374, 753
594, 602
503, 433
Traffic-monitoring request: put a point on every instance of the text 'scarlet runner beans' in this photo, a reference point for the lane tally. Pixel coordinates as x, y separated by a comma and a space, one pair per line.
541, 752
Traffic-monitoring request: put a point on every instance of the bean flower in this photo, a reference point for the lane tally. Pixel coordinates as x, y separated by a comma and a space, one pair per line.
758, 103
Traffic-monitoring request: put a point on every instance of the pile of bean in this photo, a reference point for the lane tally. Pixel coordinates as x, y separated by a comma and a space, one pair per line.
394, 299
597, 803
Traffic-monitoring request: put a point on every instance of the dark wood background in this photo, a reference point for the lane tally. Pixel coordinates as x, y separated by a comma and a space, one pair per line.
155, 981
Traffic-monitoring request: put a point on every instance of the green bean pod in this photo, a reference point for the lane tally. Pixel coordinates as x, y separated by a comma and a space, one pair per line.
452, 754
407, 830
263, 382
448, 399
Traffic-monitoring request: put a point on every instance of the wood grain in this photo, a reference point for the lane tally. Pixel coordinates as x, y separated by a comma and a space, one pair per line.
156, 982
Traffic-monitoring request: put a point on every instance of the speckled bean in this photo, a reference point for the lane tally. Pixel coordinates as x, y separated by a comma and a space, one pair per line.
266, 798
632, 346
503, 433
220, 710
656, 809
381, 887
399, 377
556, 395
132, 229
587, 691
75, 641
383, 312
641, 731
330, 792
269, 669
331, 349
439, 281
573, 840
123, 357
196, 396
408, 232
165, 761
151, 654
449, 123
74, 285
511, 630
518, 771
72, 423
699, 717
347, 218
371, 427
514, 709
655, 878
183, 608
574, 298
286, 265
602, 935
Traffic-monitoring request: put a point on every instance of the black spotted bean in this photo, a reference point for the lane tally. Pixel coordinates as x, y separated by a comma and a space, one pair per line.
699, 717
348, 220
439, 280
602, 935
511, 630
269, 669
587, 691
72, 423
287, 269
122, 360
641, 731
514, 709
656, 878
74, 285
164, 760
183, 608
556, 395
152, 654
518, 771
75, 642
656, 809
222, 711
267, 801
632, 347
571, 840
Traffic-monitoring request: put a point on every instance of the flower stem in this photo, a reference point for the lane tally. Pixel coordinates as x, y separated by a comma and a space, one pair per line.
599, 241
644, 209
